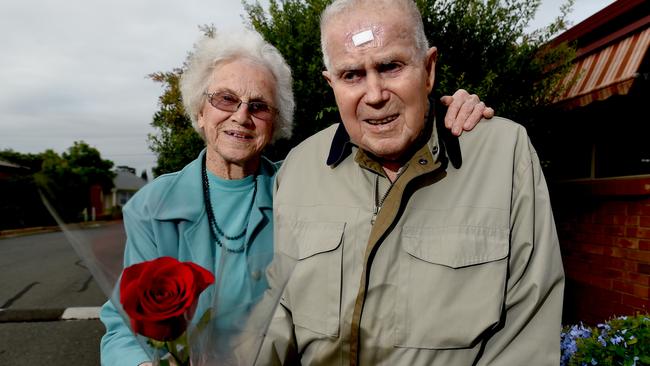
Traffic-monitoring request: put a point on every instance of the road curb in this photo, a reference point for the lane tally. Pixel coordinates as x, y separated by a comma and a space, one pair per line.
45, 315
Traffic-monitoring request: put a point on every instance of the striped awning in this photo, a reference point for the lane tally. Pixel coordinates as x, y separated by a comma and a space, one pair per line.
608, 71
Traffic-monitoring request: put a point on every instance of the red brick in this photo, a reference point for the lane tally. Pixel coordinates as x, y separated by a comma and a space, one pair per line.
615, 252
630, 266
624, 287
632, 243
592, 249
642, 291
640, 209
637, 278
604, 219
619, 219
612, 273
615, 207
620, 309
639, 255
644, 268
635, 302
601, 282
644, 221
632, 221
617, 263
589, 228
644, 244
615, 230
601, 295
604, 239
643, 233
631, 232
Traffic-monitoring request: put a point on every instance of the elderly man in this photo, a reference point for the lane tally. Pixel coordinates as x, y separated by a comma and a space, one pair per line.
414, 247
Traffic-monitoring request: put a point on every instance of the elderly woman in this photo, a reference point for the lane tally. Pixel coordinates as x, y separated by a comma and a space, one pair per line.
237, 91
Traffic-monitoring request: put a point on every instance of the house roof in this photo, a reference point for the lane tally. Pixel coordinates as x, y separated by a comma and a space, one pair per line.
126, 181
6, 164
612, 45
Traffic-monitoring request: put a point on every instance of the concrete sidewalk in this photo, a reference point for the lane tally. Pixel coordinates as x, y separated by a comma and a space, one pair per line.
12, 233
44, 315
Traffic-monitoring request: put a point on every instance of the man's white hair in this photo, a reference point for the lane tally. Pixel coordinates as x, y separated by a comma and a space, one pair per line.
339, 7
209, 52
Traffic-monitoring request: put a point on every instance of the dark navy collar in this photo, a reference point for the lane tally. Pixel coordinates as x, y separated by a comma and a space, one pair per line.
341, 145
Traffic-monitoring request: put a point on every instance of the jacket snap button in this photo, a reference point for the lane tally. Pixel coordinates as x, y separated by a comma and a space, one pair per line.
423, 161
256, 275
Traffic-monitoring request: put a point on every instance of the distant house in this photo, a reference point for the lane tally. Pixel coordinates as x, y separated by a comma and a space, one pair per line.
8, 169
126, 184
599, 169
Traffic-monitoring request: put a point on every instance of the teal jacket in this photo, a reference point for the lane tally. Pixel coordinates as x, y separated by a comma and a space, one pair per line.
167, 217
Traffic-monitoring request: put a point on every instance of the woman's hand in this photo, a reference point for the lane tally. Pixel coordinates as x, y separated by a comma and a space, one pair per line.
464, 111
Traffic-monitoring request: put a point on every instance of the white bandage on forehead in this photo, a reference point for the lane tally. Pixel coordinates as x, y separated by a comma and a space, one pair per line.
362, 38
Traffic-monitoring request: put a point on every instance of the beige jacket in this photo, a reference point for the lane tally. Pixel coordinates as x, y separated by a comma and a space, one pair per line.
461, 267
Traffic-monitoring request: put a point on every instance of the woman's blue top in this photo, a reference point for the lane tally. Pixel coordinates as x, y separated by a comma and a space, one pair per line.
167, 217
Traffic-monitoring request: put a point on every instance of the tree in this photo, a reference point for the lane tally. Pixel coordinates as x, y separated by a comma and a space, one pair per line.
482, 47
292, 26
20, 204
66, 179
176, 143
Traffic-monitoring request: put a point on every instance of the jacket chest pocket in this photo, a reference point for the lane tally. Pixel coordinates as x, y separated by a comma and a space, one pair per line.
451, 286
314, 290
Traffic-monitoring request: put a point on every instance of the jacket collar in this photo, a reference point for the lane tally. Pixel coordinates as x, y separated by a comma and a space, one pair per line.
442, 143
183, 198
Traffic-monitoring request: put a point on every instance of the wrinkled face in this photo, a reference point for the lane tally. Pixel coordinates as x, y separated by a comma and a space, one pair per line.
238, 138
379, 82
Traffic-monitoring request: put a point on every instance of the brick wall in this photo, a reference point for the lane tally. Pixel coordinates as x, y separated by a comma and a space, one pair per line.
605, 243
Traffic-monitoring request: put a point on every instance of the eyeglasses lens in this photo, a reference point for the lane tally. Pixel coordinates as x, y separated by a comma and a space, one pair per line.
230, 103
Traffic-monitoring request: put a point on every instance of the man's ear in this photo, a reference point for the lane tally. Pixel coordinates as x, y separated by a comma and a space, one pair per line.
430, 67
327, 76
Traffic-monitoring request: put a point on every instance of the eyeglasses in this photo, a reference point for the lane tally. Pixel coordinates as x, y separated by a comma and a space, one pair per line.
230, 103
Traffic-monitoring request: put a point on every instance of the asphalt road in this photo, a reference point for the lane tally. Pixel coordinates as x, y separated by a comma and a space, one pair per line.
41, 273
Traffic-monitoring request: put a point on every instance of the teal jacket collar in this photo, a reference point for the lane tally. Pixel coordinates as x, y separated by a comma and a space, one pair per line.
186, 203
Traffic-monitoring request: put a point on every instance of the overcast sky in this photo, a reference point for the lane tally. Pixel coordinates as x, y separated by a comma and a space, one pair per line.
76, 69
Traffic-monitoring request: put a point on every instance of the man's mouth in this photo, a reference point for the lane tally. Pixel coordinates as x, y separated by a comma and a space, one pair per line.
381, 121
239, 135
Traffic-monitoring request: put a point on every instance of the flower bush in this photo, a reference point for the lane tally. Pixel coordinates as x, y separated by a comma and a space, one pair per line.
623, 341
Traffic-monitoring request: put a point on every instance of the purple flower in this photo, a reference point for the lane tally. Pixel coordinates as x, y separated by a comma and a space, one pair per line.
617, 339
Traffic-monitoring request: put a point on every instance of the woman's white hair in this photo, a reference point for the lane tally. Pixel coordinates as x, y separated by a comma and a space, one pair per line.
210, 51
338, 7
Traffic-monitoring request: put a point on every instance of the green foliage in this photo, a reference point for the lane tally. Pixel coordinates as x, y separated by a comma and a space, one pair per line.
623, 341
482, 47
292, 26
66, 179
176, 142
20, 204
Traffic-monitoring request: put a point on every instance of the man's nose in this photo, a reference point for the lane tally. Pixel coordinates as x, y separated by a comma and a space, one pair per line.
375, 92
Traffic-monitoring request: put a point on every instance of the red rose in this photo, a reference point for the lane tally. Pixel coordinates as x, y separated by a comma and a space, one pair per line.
160, 296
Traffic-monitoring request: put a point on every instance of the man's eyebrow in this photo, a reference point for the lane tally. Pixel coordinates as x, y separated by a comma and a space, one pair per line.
347, 67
